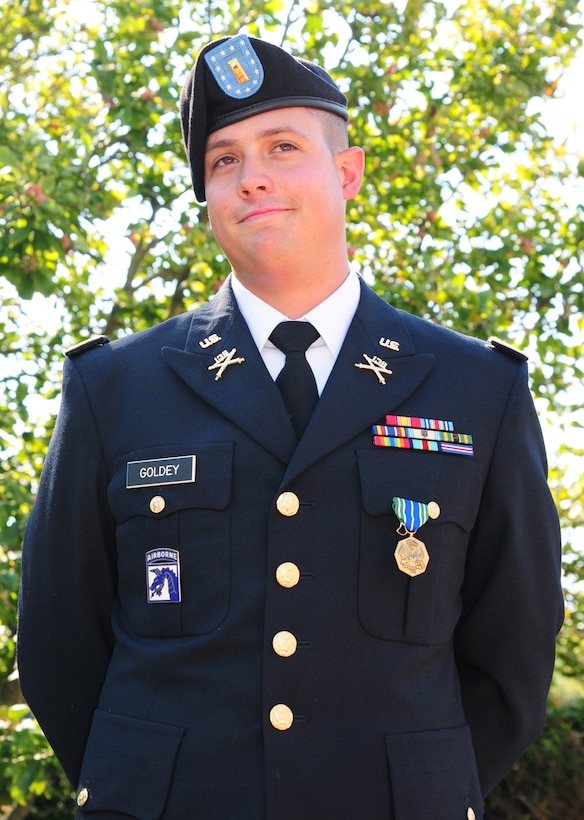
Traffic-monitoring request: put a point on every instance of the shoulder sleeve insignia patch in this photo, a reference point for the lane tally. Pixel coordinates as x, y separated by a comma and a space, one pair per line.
88, 344
504, 347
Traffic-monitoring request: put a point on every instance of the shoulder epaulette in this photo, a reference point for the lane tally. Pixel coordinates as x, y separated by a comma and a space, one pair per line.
505, 347
88, 344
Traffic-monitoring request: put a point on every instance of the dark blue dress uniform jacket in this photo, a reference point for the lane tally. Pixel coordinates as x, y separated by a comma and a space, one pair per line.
407, 697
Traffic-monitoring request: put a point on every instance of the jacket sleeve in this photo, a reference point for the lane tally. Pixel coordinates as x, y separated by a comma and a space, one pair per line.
68, 582
512, 598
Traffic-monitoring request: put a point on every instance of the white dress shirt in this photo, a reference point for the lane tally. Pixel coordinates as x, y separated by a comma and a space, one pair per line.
331, 319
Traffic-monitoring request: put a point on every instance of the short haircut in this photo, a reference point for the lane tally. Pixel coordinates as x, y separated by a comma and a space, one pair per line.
334, 129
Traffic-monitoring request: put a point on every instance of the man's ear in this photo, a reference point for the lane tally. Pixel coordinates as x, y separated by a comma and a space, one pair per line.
351, 164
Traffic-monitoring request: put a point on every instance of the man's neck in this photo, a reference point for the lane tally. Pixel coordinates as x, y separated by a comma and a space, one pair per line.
294, 293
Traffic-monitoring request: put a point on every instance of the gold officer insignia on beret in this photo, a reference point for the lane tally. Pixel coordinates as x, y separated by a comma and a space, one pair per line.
236, 67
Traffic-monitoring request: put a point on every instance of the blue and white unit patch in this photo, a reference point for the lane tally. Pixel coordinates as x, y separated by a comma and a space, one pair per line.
163, 576
236, 67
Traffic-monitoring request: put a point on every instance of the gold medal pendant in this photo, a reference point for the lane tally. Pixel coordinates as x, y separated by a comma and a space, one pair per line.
411, 556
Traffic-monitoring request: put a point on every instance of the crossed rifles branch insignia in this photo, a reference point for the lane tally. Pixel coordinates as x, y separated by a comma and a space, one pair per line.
223, 360
227, 357
377, 365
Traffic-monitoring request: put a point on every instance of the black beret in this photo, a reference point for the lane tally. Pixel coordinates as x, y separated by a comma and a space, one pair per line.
238, 77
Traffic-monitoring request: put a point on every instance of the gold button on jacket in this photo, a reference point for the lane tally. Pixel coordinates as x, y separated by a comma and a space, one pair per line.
288, 504
284, 643
287, 574
281, 717
82, 797
433, 510
157, 504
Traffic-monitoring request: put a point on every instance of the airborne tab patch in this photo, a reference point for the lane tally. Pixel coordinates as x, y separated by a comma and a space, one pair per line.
157, 471
236, 67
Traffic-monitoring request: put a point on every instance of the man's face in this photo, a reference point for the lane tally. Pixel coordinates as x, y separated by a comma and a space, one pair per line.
275, 189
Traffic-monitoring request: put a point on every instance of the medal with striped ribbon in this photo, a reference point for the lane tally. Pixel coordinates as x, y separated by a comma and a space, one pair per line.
411, 555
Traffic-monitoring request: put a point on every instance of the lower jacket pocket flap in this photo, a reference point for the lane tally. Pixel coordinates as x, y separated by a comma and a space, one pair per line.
433, 774
128, 765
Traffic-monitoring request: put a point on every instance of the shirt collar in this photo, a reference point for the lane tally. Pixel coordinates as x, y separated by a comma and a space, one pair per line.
331, 317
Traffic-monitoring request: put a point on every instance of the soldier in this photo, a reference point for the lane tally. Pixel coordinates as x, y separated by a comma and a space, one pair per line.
294, 553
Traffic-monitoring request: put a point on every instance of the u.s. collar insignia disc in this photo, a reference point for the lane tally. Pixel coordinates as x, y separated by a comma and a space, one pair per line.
236, 67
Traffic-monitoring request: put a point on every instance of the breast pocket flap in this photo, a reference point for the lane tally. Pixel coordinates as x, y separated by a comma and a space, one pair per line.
161, 481
451, 482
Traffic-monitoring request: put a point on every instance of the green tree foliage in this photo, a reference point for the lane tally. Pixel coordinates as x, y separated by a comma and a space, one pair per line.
462, 219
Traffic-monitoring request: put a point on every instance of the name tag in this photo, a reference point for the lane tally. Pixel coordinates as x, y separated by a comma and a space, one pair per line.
157, 471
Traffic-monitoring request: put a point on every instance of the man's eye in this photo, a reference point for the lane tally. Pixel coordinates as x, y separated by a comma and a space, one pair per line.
285, 147
222, 161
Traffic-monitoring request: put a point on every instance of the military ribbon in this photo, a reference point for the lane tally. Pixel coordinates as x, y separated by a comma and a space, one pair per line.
414, 433
411, 514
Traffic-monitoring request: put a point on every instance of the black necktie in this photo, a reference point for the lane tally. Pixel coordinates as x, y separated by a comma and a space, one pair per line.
296, 379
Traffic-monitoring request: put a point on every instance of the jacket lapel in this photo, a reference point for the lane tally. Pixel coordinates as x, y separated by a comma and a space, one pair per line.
354, 397
242, 390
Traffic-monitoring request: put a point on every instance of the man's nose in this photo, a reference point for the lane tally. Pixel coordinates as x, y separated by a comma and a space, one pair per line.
254, 178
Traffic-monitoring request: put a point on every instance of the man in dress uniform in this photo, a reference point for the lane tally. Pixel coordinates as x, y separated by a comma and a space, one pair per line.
293, 555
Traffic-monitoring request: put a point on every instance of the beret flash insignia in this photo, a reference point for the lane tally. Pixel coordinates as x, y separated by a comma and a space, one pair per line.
236, 67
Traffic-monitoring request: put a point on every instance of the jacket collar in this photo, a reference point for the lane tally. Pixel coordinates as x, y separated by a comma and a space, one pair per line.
354, 397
